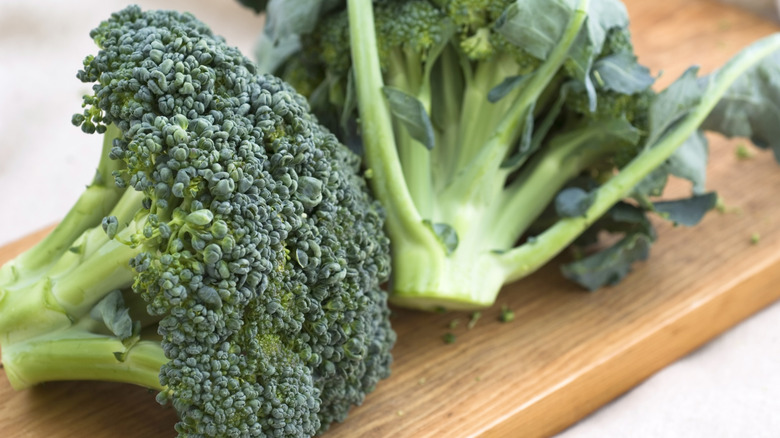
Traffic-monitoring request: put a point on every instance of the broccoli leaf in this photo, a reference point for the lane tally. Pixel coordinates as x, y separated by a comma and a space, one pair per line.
410, 112
112, 311
622, 73
572, 202
609, 266
689, 161
291, 17
506, 86
286, 21
674, 103
540, 130
751, 106
270, 53
623, 218
445, 234
536, 25
688, 212
603, 15
256, 5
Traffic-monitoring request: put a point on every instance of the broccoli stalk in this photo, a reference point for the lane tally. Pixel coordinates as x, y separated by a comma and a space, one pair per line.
427, 274
499, 133
101, 357
55, 324
233, 260
91, 207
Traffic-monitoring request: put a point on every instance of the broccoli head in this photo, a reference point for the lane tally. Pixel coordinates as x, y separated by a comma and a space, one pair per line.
232, 257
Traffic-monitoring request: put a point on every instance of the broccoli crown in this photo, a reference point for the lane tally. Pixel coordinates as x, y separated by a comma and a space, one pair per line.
262, 249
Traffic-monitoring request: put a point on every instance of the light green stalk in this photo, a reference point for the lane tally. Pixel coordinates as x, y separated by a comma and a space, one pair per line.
91, 207
381, 156
76, 354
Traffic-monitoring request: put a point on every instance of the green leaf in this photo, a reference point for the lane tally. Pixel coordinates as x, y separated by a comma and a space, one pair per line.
689, 161
672, 104
350, 101
445, 234
536, 25
624, 213
751, 106
540, 131
410, 112
112, 311
622, 73
291, 17
603, 15
286, 21
609, 266
688, 212
256, 5
525, 147
506, 86
572, 202
622, 218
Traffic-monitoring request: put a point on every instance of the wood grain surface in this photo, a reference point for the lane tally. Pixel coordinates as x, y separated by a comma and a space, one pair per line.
567, 352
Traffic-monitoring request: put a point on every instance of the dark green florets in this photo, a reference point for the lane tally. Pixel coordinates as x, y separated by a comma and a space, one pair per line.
415, 26
264, 252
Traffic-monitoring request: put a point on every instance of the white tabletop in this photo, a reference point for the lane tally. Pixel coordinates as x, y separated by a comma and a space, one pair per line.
729, 388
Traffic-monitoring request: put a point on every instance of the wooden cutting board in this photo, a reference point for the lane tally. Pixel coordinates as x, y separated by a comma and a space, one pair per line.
567, 352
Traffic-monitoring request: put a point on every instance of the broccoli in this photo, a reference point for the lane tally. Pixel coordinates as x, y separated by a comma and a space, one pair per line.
498, 133
227, 253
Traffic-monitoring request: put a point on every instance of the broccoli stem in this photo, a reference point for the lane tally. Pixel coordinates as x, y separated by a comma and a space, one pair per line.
447, 101
53, 303
537, 184
75, 354
478, 117
404, 73
426, 278
107, 269
530, 256
387, 182
472, 276
91, 207
487, 162
92, 239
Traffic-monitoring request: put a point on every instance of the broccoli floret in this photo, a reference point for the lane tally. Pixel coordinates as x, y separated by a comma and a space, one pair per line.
497, 132
234, 256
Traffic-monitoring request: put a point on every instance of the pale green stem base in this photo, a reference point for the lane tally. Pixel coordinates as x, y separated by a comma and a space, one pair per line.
76, 355
427, 279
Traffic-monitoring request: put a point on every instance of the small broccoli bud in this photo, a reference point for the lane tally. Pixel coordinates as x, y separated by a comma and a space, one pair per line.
110, 226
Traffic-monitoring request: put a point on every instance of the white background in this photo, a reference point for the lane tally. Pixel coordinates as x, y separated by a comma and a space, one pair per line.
729, 388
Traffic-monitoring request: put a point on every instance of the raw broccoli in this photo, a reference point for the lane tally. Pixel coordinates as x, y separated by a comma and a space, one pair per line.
227, 253
498, 133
